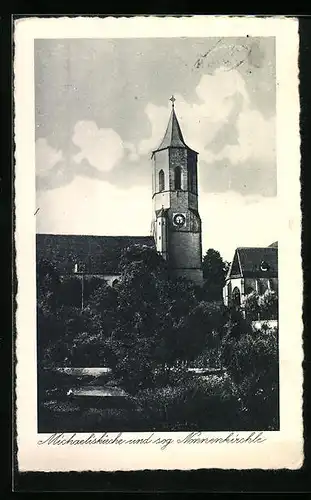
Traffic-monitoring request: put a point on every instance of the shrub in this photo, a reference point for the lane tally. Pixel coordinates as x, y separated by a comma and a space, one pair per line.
252, 362
268, 304
71, 292
48, 283
236, 325
207, 404
251, 306
260, 395
210, 356
255, 352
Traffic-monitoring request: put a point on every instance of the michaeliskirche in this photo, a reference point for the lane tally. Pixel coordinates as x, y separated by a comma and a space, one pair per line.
176, 231
176, 223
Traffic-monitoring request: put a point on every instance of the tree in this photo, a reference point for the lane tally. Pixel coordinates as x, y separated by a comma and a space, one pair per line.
104, 301
268, 304
48, 283
49, 328
80, 339
160, 324
251, 360
251, 306
214, 274
141, 256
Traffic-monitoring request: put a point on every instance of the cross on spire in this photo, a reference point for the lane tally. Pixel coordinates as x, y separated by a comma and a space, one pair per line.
173, 100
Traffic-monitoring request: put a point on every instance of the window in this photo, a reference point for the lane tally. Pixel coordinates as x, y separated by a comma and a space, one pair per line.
236, 297
177, 176
161, 181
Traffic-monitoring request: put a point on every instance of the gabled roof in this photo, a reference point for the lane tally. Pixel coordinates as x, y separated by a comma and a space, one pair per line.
173, 137
97, 254
259, 262
274, 245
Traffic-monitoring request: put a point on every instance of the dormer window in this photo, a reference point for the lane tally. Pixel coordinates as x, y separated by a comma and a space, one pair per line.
264, 266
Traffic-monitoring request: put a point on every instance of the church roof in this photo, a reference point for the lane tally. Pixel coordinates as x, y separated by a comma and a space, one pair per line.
96, 254
274, 244
173, 137
257, 262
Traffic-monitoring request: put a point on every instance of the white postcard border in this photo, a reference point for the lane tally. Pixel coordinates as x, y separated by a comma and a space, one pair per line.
282, 449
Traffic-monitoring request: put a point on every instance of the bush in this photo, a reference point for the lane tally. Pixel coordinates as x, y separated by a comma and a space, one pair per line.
196, 404
268, 304
71, 337
252, 362
251, 306
71, 292
260, 397
210, 356
236, 326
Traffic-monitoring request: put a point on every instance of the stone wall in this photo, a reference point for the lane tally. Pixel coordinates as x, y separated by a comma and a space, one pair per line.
185, 250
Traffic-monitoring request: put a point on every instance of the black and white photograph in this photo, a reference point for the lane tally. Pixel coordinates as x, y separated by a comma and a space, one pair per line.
157, 232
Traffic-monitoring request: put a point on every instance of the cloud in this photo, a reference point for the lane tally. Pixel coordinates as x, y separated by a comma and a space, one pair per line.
46, 157
101, 147
158, 117
256, 140
247, 178
86, 206
132, 151
219, 94
231, 220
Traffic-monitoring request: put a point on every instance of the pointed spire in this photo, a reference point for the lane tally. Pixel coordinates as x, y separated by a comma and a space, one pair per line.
173, 100
173, 136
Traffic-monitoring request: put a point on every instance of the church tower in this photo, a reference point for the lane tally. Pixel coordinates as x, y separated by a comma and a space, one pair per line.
176, 220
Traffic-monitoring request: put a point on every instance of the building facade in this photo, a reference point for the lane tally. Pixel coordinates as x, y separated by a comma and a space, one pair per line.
177, 228
253, 269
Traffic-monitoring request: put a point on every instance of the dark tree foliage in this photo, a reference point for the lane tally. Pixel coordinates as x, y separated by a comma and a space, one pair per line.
251, 306
149, 329
251, 360
268, 304
71, 292
214, 273
194, 404
48, 284
160, 326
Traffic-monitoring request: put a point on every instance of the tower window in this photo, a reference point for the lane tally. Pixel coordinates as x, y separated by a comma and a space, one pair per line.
161, 181
177, 178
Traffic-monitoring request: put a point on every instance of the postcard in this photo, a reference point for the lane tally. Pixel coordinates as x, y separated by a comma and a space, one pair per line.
158, 239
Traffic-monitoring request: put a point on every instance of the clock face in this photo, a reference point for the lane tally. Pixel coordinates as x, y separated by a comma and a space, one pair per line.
179, 220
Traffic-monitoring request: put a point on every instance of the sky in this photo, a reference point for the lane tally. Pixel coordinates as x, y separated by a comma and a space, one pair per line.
102, 106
